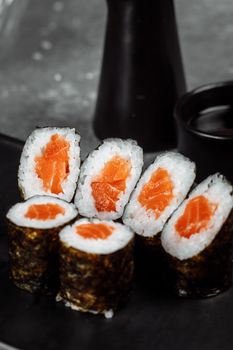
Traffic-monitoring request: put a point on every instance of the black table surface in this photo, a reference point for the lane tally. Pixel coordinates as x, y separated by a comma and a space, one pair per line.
149, 321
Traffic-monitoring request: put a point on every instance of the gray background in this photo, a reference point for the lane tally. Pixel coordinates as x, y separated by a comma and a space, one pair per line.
50, 56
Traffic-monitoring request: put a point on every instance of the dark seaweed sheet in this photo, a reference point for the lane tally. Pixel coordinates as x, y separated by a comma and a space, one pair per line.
34, 258
150, 320
209, 272
97, 282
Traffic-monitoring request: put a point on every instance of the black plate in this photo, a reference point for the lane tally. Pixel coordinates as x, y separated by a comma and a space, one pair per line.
149, 321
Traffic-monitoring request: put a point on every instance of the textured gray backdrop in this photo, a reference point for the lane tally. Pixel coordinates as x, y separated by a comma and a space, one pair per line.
50, 55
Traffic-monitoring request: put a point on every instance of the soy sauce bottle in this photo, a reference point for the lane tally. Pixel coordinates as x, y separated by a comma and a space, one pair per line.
142, 74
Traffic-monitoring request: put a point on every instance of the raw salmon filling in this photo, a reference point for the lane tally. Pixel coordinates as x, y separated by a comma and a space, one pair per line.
110, 184
157, 193
94, 231
44, 211
196, 216
52, 167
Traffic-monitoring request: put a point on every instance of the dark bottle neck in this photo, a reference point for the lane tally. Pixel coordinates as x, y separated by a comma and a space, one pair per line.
148, 25
142, 73
154, 8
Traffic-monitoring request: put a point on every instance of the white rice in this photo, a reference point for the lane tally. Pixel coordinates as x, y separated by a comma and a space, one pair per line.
17, 213
29, 183
218, 191
92, 166
119, 238
182, 174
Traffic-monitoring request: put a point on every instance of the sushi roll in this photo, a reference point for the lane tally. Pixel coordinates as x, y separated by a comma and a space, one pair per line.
161, 189
107, 178
33, 228
96, 265
198, 240
49, 163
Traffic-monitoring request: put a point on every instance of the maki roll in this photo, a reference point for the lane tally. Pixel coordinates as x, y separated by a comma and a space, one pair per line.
198, 240
107, 178
96, 265
49, 163
33, 228
161, 189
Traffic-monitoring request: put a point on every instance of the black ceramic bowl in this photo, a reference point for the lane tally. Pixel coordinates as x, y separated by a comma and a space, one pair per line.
204, 119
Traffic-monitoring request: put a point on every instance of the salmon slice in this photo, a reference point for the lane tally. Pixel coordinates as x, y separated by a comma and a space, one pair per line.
196, 216
94, 231
110, 183
44, 212
157, 193
52, 167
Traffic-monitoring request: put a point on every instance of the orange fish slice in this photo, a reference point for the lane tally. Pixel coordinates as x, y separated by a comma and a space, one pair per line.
157, 193
94, 231
44, 212
196, 216
52, 167
110, 183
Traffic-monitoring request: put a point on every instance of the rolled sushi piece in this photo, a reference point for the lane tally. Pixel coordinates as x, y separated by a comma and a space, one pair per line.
50, 163
161, 189
96, 265
33, 228
198, 240
107, 178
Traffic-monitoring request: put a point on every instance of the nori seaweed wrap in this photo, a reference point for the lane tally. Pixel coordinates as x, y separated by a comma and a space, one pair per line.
33, 228
150, 263
96, 265
198, 240
160, 190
